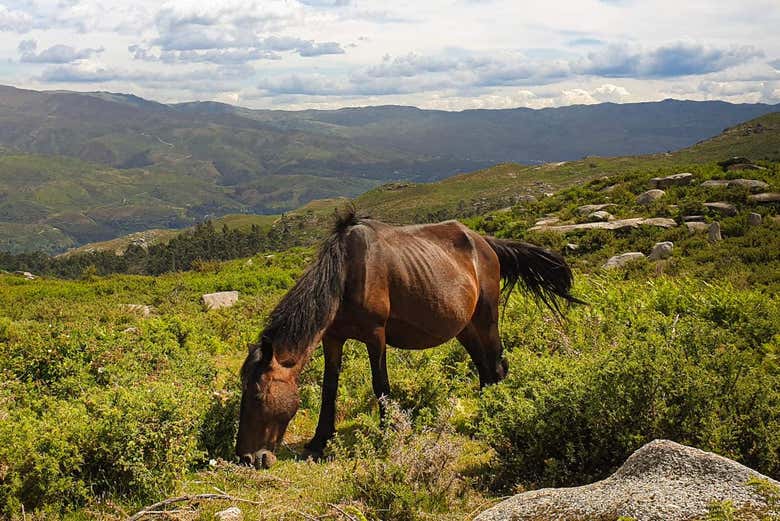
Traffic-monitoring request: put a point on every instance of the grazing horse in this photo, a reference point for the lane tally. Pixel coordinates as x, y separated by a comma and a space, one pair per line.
412, 287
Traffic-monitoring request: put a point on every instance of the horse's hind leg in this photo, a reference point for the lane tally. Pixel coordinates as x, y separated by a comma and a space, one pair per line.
326, 425
377, 357
483, 343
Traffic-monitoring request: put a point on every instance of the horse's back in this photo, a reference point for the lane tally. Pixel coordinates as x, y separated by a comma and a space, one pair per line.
424, 279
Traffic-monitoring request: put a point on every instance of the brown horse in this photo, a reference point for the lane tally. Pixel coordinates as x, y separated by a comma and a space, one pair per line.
411, 287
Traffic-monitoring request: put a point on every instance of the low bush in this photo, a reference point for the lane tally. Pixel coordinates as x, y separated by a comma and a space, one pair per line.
687, 361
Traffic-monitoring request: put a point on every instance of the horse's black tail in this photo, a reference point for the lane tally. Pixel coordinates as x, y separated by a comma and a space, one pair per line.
544, 273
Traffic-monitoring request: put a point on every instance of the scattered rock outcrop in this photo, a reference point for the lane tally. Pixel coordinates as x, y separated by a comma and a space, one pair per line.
26, 274
219, 300
713, 232
547, 221
767, 197
601, 215
624, 258
696, 226
715, 183
736, 160
619, 224
648, 197
754, 185
739, 163
684, 178
662, 481
661, 250
590, 208
754, 219
722, 208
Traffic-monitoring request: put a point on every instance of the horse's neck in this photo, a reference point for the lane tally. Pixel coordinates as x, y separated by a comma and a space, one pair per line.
299, 360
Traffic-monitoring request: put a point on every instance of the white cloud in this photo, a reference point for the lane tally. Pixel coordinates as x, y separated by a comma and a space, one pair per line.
438, 53
611, 93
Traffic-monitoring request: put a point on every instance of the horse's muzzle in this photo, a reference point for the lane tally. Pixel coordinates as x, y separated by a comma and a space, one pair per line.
262, 459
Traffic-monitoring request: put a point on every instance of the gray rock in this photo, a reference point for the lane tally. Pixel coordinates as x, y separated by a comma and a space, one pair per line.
619, 224
138, 309
754, 185
691, 218
661, 250
624, 258
745, 166
713, 232
681, 179
662, 481
722, 208
716, 183
697, 226
26, 274
572, 247
590, 208
736, 160
222, 299
768, 197
601, 215
525, 199
547, 222
610, 188
754, 219
230, 514
650, 196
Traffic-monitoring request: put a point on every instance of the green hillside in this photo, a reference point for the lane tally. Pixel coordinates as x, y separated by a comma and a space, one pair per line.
84, 167
152, 237
505, 185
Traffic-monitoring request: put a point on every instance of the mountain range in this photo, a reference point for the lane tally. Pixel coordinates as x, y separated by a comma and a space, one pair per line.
82, 167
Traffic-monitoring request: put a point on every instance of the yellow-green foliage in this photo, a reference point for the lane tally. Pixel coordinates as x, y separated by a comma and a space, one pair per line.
103, 410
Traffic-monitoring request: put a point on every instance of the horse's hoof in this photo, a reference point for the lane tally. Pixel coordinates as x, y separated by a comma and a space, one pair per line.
312, 452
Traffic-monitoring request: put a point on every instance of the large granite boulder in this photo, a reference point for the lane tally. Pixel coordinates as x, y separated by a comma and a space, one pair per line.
662, 481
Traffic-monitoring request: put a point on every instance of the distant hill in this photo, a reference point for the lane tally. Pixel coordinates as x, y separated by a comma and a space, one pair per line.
504, 185
507, 184
84, 167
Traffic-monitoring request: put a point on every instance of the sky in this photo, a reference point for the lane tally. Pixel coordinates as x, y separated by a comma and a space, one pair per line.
437, 54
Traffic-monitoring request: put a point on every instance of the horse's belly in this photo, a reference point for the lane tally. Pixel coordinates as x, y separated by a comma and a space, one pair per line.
428, 318
404, 335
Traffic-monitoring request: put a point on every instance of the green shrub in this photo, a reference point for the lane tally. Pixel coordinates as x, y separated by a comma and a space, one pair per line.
678, 361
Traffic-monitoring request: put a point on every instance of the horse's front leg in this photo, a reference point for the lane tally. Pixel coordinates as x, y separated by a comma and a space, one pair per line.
326, 425
377, 356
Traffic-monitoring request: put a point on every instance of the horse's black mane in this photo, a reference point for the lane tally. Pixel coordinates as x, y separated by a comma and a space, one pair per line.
313, 301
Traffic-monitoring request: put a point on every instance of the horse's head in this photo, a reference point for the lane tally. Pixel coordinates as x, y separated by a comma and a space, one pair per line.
269, 400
